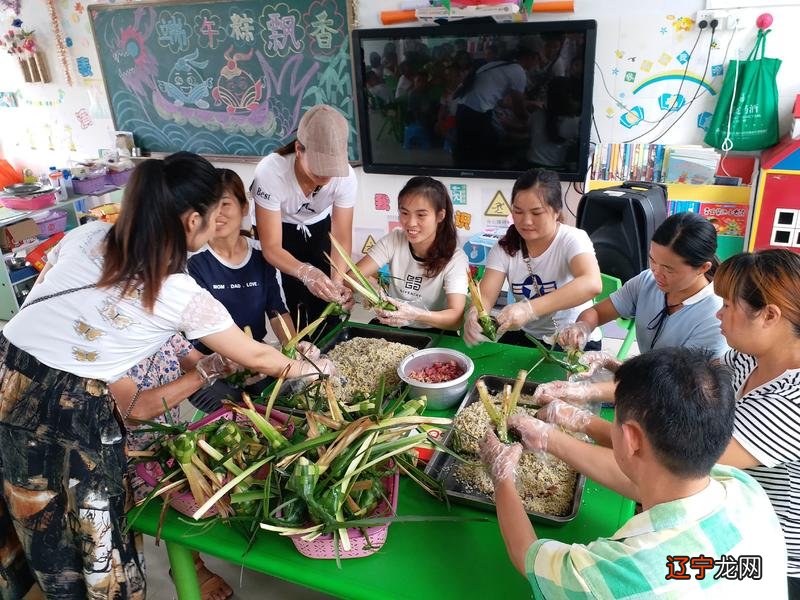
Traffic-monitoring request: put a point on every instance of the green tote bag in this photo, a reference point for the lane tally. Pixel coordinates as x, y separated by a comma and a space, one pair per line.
746, 117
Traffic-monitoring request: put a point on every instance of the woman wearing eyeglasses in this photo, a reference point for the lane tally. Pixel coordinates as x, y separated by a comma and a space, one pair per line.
672, 303
303, 191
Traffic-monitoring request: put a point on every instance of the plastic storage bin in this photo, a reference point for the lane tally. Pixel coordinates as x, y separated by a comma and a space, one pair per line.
118, 178
90, 185
52, 222
29, 202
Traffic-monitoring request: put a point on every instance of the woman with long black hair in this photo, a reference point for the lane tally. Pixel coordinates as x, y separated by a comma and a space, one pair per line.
110, 296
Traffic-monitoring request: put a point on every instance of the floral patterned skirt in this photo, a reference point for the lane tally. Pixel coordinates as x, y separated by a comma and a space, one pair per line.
64, 490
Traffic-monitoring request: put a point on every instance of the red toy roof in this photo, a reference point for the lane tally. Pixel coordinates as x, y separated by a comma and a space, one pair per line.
779, 152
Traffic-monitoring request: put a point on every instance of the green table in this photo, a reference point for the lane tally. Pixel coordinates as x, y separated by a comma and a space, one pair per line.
419, 560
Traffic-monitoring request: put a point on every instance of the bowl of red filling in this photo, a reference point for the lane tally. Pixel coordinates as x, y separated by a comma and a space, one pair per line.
439, 374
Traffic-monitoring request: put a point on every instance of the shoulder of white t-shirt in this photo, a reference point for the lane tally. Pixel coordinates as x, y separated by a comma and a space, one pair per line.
254, 243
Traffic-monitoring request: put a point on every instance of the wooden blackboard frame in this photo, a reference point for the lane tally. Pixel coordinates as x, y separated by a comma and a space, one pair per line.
350, 8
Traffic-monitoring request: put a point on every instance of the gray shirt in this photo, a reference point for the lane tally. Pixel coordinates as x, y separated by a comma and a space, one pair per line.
694, 325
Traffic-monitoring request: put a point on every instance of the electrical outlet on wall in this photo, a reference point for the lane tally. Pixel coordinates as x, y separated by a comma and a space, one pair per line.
721, 16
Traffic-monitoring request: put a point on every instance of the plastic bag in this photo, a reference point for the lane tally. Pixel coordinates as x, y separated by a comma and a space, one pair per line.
746, 117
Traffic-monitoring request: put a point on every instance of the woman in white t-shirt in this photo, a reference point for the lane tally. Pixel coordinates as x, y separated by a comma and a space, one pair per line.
550, 267
304, 191
428, 273
760, 318
109, 297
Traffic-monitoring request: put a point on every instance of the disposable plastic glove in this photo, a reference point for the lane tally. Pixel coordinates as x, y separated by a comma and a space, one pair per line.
500, 459
567, 415
574, 336
320, 284
308, 350
597, 360
215, 366
405, 314
472, 332
514, 316
576, 392
305, 368
533, 432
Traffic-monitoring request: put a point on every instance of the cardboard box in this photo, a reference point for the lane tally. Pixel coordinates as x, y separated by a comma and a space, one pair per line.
19, 233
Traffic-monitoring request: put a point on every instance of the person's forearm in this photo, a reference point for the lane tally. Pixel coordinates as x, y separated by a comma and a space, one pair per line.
600, 431
576, 292
449, 318
151, 403
590, 317
515, 526
278, 330
595, 462
281, 259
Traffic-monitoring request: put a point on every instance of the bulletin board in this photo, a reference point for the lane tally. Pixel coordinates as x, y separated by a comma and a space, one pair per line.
223, 78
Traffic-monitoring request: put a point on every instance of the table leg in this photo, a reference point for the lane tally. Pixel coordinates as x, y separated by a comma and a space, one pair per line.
183, 574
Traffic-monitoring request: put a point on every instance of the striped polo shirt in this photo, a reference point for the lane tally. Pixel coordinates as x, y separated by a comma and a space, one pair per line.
768, 426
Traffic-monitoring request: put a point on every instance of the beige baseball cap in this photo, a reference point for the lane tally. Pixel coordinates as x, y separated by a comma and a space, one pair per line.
323, 131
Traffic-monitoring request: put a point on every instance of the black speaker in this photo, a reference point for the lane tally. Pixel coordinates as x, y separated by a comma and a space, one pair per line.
620, 222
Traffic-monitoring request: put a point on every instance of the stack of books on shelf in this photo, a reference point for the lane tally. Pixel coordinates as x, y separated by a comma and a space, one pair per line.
654, 162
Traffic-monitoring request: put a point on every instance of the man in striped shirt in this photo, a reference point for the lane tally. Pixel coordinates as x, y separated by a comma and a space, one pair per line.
705, 531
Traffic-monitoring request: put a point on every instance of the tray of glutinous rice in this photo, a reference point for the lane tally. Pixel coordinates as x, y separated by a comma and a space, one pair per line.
362, 356
550, 489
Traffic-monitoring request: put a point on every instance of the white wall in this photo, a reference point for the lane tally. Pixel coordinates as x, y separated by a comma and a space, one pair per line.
630, 33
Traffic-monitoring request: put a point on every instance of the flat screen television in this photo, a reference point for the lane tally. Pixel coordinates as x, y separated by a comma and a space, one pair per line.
476, 99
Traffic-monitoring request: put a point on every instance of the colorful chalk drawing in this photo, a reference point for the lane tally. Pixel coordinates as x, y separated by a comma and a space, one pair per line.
281, 33
704, 120
671, 102
630, 76
646, 65
242, 85
173, 31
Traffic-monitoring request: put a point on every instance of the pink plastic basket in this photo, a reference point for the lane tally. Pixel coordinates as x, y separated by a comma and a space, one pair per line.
323, 547
53, 222
90, 185
118, 178
184, 503
29, 202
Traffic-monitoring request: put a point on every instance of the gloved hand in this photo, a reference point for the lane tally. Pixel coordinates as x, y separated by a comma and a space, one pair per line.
309, 350
500, 459
514, 316
320, 284
576, 392
305, 368
215, 366
574, 336
348, 299
567, 415
405, 314
533, 432
472, 333
597, 360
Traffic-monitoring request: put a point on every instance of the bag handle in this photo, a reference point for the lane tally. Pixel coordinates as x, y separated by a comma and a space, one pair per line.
56, 295
760, 46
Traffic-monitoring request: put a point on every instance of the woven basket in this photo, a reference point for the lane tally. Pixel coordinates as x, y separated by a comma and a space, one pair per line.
151, 472
323, 546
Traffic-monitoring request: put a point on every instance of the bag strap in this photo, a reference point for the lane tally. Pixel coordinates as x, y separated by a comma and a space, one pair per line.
56, 295
129, 410
759, 47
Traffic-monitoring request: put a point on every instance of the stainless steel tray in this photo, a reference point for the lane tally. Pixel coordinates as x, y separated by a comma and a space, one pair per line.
441, 464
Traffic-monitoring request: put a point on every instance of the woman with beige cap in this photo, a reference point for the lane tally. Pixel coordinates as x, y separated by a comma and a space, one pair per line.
303, 191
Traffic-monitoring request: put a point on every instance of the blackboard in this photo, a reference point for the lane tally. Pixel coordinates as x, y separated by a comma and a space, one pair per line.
223, 78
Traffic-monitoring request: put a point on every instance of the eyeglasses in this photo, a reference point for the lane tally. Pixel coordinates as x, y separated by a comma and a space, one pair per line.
657, 322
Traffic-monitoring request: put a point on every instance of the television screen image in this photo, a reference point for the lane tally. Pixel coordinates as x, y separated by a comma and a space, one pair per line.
476, 100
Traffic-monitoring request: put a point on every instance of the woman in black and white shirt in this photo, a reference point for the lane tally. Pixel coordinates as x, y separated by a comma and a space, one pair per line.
760, 319
304, 191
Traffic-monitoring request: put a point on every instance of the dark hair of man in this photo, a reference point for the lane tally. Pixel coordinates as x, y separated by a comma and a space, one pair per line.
148, 242
683, 401
691, 237
548, 185
444, 244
